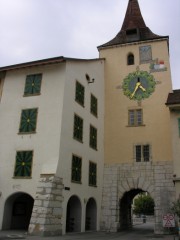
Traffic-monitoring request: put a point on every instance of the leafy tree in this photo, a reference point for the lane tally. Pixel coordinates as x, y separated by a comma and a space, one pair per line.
176, 207
144, 204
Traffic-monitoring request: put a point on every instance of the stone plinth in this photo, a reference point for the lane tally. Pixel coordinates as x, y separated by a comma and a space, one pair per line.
46, 219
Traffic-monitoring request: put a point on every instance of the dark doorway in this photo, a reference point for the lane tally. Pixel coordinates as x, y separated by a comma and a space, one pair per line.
73, 218
125, 208
91, 215
17, 211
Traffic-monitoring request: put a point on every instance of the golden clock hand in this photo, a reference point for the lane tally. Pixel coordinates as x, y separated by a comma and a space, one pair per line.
136, 88
141, 87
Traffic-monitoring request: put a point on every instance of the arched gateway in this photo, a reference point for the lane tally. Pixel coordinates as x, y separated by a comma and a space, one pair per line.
122, 182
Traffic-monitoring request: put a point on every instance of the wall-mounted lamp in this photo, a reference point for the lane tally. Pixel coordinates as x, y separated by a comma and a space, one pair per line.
88, 79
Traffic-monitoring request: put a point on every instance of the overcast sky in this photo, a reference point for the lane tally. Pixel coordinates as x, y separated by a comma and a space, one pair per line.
38, 29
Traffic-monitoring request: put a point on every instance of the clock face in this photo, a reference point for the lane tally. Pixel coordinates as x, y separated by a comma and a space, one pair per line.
138, 85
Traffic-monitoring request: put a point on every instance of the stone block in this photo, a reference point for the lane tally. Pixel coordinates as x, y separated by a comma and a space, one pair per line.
57, 211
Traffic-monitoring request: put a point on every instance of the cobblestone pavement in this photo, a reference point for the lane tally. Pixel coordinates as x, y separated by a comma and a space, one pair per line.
140, 232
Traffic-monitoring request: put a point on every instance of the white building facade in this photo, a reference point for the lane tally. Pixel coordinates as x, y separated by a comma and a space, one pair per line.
51, 131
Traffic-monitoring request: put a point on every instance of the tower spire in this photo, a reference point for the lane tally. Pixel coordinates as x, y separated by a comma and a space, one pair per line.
133, 28
133, 17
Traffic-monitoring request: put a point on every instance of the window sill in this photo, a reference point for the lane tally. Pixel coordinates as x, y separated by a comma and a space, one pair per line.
73, 181
22, 177
26, 133
142, 125
95, 149
95, 115
78, 140
31, 95
79, 103
95, 186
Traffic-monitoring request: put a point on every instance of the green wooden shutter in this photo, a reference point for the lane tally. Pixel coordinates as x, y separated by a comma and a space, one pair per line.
93, 137
76, 169
28, 121
23, 164
92, 174
79, 97
78, 128
33, 84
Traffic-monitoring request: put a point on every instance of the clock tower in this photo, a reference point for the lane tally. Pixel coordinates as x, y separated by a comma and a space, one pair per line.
138, 148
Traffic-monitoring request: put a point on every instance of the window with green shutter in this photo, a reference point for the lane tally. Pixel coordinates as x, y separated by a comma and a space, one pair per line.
23, 165
79, 95
94, 105
92, 174
76, 169
33, 85
93, 137
78, 128
28, 121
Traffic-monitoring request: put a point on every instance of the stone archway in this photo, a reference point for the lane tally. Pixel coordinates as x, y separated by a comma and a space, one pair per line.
91, 215
125, 213
73, 216
119, 179
17, 211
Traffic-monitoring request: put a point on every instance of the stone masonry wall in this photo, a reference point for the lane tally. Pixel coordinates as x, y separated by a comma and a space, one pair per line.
47, 211
154, 177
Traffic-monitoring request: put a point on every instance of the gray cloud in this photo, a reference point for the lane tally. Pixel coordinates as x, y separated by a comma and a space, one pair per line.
37, 29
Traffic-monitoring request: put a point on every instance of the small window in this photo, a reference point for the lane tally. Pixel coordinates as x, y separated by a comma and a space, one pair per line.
135, 117
28, 121
33, 85
23, 165
92, 174
78, 128
130, 59
93, 137
132, 35
142, 153
94, 105
79, 95
76, 169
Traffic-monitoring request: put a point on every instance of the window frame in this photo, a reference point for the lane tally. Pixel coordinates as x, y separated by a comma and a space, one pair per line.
32, 83
94, 105
92, 177
134, 119
80, 92
77, 129
142, 153
130, 59
23, 152
28, 120
73, 180
93, 133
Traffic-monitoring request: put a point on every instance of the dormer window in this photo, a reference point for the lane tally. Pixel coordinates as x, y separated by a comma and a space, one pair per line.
132, 34
130, 59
